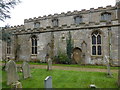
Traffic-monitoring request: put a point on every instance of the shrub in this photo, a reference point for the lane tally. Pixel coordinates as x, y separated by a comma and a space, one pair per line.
62, 58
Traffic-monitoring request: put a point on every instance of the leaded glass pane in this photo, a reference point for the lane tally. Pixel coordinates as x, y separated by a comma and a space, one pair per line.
7, 50
35, 50
93, 50
32, 42
35, 42
98, 39
99, 50
93, 39
32, 50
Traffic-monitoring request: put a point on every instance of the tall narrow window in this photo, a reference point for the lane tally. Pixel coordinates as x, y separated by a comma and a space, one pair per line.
8, 46
34, 44
106, 16
78, 19
96, 43
55, 22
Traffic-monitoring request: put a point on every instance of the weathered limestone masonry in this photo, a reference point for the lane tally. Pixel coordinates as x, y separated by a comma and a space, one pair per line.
118, 6
52, 38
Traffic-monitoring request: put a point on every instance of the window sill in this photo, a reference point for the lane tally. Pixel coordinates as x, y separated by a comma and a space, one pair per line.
33, 54
8, 55
96, 55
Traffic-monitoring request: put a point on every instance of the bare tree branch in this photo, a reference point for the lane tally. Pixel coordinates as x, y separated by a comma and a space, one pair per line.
5, 6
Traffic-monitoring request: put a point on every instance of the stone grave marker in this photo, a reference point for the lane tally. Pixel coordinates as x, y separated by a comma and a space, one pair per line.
26, 70
12, 75
49, 66
16, 85
92, 86
48, 82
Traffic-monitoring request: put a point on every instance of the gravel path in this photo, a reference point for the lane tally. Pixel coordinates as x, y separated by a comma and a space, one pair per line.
73, 68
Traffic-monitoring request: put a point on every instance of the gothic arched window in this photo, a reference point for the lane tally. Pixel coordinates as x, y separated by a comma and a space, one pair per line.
78, 19
8, 46
96, 43
34, 44
106, 16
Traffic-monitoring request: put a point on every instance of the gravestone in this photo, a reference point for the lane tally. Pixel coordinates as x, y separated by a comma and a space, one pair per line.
12, 75
92, 86
26, 70
48, 82
49, 66
108, 67
16, 85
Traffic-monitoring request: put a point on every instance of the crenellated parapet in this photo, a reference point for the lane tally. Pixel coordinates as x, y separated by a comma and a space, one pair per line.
69, 13
90, 18
14, 28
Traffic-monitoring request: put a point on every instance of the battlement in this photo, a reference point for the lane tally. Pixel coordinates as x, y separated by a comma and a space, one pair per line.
69, 13
18, 27
67, 22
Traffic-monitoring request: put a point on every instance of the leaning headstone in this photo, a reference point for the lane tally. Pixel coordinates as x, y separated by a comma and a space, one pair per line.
49, 66
12, 75
26, 70
48, 82
16, 85
108, 67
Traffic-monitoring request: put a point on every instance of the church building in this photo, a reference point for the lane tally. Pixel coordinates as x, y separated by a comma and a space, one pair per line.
93, 35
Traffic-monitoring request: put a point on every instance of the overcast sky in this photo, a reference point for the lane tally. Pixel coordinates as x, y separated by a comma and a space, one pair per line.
34, 8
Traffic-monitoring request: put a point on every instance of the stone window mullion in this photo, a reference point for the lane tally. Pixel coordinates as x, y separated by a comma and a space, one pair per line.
34, 45
8, 47
96, 44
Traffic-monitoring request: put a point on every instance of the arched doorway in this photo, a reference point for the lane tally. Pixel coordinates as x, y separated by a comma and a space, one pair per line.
77, 55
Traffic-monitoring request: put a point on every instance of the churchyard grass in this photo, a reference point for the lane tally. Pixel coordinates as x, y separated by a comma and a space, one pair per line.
66, 79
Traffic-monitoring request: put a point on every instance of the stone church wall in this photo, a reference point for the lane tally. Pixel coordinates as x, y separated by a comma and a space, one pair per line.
81, 36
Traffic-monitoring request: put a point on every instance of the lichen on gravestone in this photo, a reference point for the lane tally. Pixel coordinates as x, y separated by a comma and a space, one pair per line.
12, 75
26, 70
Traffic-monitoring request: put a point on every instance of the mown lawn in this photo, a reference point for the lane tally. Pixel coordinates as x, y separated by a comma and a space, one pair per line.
66, 79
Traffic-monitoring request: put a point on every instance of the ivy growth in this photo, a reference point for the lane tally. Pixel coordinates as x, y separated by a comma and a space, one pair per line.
69, 46
6, 35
